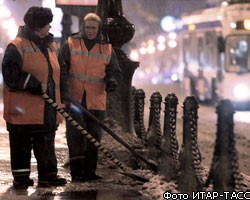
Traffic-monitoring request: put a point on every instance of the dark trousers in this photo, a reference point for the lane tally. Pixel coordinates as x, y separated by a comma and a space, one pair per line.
42, 143
83, 154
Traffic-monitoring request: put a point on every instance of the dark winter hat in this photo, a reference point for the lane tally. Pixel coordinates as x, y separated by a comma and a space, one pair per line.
37, 17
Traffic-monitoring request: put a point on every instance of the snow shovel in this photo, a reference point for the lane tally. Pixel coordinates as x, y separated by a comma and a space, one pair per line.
124, 169
152, 164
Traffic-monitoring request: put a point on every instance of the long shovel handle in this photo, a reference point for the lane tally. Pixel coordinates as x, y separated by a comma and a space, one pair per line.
152, 164
92, 139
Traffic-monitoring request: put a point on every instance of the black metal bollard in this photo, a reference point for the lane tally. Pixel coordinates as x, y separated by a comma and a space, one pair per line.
154, 134
139, 102
190, 179
169, 162
224, 171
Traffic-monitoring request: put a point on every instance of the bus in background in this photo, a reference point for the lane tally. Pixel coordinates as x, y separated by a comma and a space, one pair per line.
214, 54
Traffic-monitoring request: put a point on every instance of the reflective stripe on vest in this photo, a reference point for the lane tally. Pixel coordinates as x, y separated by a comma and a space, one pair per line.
30, 49
35, 49
45, 86
94, 55
87, 78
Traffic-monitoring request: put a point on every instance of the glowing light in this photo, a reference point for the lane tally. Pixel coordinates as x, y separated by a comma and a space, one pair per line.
168, 23
12, 32
11, 27
161, 39
161, 47
233, 25
224, 3
174, 77
143, 50
219, 17
172, 36
150, 49
241, 91
134, 55
150, 42
191, 27
56, 27
247, 24
4, 12
172, 43
232, 51
154, 81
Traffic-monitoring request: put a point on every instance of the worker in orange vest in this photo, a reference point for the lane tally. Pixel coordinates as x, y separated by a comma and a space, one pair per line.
30, 67
93, 71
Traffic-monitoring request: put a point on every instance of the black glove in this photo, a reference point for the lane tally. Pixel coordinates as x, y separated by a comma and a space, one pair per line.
34, 86
66, 103
111, 85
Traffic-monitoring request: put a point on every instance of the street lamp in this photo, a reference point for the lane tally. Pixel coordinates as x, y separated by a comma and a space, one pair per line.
119, 31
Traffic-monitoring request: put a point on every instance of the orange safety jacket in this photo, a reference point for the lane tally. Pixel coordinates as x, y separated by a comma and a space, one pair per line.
21, 107
87, 72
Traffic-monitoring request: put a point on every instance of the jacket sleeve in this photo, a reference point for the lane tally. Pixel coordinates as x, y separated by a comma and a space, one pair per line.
13, 75
64, 61
113, 70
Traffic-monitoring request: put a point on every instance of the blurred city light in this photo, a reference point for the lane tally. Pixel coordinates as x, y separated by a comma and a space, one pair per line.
247, 24
11, 27
172, 35
174, 77
241, 91
56, 27
161, 47
8, 23
134, 55
143, 50
191, 27
154, 81
168, 23
161, 39
150, 42
233, 25
150, 49
172, 43
4, 12
224, 3
153, 63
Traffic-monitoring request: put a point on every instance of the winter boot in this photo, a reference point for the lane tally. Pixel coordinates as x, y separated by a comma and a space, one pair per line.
55, 181
22, 183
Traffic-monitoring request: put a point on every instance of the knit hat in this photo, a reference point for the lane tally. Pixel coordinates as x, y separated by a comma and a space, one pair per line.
37, 17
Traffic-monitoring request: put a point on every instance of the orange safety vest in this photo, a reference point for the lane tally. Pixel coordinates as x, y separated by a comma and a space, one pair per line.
87, 72
21, 107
